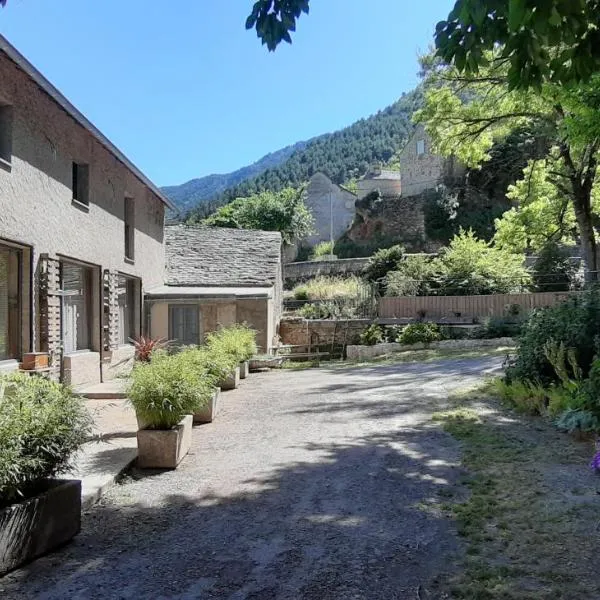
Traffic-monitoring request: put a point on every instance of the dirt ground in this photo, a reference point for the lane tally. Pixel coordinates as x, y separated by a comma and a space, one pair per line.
318, 484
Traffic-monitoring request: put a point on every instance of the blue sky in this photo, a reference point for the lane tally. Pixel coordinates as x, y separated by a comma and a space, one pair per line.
186, 92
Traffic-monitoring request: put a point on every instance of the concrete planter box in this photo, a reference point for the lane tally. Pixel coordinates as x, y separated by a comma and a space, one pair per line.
231, 382
244, 369
40, 524
164, 448
209, 412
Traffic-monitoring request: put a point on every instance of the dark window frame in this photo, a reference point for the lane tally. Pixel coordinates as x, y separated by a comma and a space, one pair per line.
6, 132
80, 183
129, 228
184, 340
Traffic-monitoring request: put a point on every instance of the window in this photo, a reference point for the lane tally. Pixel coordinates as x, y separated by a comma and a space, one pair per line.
420, 147
76, 307
129, 309
184, 324
10, 302
129, 221
80, 183
6, 132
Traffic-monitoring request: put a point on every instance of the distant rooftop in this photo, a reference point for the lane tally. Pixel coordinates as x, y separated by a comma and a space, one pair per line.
387, 174
218, 257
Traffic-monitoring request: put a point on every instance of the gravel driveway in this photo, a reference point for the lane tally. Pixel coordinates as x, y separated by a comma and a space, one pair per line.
310, 485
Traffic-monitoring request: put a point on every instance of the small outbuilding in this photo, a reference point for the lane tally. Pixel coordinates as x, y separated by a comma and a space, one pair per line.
217, 277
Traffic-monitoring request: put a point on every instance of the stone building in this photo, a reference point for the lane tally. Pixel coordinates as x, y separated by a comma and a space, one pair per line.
332, 207
81, 233
387, 181
421, 169
217, 277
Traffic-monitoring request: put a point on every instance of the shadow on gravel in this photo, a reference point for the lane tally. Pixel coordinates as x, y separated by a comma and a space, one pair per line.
359, 520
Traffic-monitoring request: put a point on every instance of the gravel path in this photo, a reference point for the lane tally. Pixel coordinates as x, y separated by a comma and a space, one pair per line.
308, 486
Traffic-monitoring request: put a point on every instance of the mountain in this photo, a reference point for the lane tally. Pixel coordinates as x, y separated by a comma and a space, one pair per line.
187, 195
342, 156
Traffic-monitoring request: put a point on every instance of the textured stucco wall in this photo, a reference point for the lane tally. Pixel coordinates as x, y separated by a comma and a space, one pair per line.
36, 206
420, 173
318, 201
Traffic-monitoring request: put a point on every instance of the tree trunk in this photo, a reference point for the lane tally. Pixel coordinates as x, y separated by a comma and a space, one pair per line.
583, 214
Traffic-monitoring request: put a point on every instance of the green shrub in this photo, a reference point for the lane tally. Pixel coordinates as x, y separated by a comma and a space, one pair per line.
448, 332
42, 425
327, 310
167, 388
497, 327
381, 263
373, 334
523, 396
237, 340
554, 270
414, 276
322, 251
331, 288
578, 420
420, 333
574, 322
300, 292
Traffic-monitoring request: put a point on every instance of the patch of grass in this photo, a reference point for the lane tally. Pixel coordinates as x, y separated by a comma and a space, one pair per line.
331, 288
429, 355
525, 535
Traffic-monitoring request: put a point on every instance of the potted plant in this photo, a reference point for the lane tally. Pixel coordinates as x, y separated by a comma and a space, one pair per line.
239, 343
211, 372
42, 425
165, 392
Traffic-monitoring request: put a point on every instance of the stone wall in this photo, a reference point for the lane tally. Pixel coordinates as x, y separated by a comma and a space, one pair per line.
322, 195
389, 221
301, 271
302, 332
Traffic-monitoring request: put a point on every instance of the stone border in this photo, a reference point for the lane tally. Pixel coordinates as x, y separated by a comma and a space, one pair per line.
366, 352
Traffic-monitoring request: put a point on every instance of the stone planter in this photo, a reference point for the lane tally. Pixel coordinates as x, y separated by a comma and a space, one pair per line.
40, 524
232, 381
244, 369
209, 412
164, 448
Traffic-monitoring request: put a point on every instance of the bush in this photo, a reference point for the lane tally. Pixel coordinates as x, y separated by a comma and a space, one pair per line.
42, 425
168, 387
374, 334
575, 323
327, 310
331, 288
497, 327
554, 271
414, 277
381, 263
322, 251
472, 266
239, 341
420, 333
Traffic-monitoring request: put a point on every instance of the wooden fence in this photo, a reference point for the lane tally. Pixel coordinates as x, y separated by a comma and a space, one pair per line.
410, 307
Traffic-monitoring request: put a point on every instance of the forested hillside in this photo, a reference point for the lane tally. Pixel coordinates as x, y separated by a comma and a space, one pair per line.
341, 155
203, 189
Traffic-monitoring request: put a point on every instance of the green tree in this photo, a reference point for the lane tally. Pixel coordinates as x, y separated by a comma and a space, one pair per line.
283, 211
541, 215
472, 266
554, 270
466, 115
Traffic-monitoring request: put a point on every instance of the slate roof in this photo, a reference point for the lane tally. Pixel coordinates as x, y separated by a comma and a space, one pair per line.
218, 257
386, 174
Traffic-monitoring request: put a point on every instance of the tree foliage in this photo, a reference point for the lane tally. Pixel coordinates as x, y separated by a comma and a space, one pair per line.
465, 116
541, 40
284, 211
